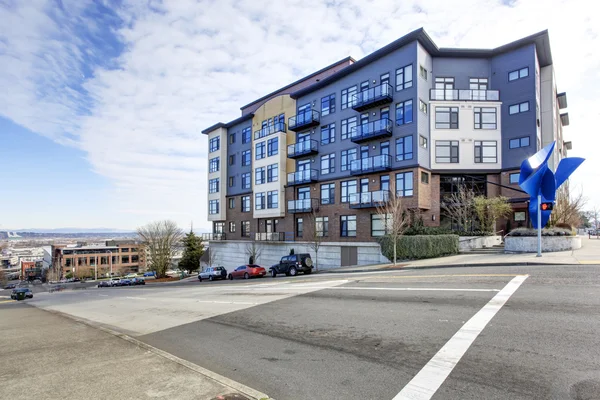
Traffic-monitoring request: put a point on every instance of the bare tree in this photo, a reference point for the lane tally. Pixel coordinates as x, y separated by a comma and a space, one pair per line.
253, 251
396, 219
489, 210
459, 206
593, 215
161, 239
212, 256
567, 209
316, 233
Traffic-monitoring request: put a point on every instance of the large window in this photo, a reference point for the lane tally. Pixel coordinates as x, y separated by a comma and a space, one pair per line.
348, 97
246, 181
213, 144
348, 226
246, 157
273, 199
213, 185
404, 148
299, 227
519, 142
328, 104
347, 126
259, 201
404, 184
328, 164
446, 117
514, 178
347, 157
245, 228
272, 173
246, 135
486, 152
348, 188
213, 164
404, 113
213, 206
322, 226
259, 152
328, 193
328, 134
485, 118
380, 223
518, 108
259, 176
518, 74
478, 83
272, 147
231, 227
446, 151
245, 203
404, 77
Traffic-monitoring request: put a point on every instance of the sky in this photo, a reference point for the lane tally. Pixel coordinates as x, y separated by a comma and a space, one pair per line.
102, 103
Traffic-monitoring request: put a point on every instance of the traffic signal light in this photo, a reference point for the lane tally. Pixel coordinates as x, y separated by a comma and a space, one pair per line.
547, 206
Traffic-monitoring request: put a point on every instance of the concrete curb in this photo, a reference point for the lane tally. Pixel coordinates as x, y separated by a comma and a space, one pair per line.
245, 390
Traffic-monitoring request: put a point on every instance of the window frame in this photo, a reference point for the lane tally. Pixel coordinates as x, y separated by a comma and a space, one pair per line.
247, 177
510, 178
245, 229
246, 135
231, 226
348, 92
346, 123
386, 221
423, 142
403, 156
213, 185
518, 72
424, 178
330, 100
345, 221
260, 173
260, 150
345, 186
345, 154
272, 195
214, 164
330, 159
520, 140
423, 72
270, 176
406, 84
231, 203
423, 107
481, 144
451, 144
479, 111
451, 111
213, 210
329, 189
402, 107
299, 227
272, 147
246, 158
214, 144
246, 204
519, 106
329, 129
323, 221
260, 201
405, 191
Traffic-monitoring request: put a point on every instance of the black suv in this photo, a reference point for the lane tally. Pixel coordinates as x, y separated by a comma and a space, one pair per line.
292, 264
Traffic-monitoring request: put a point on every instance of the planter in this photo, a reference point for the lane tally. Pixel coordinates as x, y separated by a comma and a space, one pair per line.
466, 243
528, 244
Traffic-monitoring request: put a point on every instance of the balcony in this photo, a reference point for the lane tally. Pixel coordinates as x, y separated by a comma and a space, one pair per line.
269, 130
303, 120
213, 236
303, 148
464, 95
302, 177
371, 164
379, 129
273, 236
369, 199
373, 97
302, 205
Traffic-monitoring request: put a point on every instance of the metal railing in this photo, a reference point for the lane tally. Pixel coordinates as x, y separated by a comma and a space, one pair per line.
302, 148
369, 199
299, 177
372, 130
302, 205
464, 95
213, 236
269, 130
372, 96
304, 119
371, 164
272, 236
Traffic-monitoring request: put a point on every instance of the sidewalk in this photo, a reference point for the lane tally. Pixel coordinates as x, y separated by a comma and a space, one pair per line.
48, 356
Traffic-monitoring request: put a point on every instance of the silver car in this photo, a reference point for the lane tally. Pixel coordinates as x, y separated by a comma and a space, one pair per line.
212, 273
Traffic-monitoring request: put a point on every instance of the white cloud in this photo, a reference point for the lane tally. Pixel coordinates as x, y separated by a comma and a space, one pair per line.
184, 65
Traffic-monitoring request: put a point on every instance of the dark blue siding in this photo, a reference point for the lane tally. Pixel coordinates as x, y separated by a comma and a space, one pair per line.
236, 148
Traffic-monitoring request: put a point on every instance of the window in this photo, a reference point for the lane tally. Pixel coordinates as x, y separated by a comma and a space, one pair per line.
518, 108
424, 177
485, 117
444, 83
231, 202
328, 164
379, 224
328, 134
328, 193
245, 203
273, 173
519, 216
348, 97
232, 159
478, 83
299, 227
219, 227
384, 148
124, 259
246, 135
384, 79
273, 199
518, 74
404, 184
328, 104
404, 113
246, 180
246, 157
231, 138
245, 228
213, 207
384, 113
259, 176
486, 152
213, 185
348, 188
259, 152
422, 106
259, 201
446, 151
364, 86
322, 226
232, 227
347, 126
213, 164
446, 118
514, 178
519, 142
214, 144
422, 141
404, 148
384, 182
272, 147
422, 72
347, 157
348, 226
404, 77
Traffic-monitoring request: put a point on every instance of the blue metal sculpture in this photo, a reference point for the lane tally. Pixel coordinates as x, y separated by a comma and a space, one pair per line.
538, 180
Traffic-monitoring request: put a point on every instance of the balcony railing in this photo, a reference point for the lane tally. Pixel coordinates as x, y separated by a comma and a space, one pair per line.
269, 130
371, 164
303, 148
373, 97
303, 120
369, 199
273, 236
302, 205
213, 236
464, 95
301, 177
372, 130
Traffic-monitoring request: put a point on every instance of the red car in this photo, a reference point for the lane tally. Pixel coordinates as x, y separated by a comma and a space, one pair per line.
247, 272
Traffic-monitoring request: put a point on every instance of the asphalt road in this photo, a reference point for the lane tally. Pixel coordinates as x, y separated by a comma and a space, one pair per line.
480, 333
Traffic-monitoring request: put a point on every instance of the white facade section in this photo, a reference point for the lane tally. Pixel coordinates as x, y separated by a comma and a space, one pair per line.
280, 160
466, 136
221, 174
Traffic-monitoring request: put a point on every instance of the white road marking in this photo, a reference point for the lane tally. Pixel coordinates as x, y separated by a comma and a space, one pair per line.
103, 295
136, 298
424, 385
226, 302
299, 287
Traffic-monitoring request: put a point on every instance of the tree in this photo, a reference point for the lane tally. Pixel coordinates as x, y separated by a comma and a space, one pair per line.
594, 215
396, 219
567, 209
489, 210
212, 256
316, 231
193, 249
160, 238
585, 220
253, 251
459, 207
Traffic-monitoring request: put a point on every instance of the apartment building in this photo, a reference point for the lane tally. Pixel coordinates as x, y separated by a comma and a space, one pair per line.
410, 118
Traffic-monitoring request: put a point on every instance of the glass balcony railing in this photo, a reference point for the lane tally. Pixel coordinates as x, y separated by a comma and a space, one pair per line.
372, 97
302, 205
300, 177
372, 130
371, 164
269, 130
303, 148
272, 236
304, 119
369, 199
464, 95
213, 236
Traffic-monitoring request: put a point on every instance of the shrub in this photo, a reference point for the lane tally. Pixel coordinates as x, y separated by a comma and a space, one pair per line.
426, 230
421, 246
69, 275
545, 232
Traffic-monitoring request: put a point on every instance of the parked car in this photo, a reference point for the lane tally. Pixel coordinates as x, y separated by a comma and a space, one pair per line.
104, 284
149, 273
138, 281
10, 286
114, 282
292, 264
58, 288
212, 273
21, 294
247, 272
124, 282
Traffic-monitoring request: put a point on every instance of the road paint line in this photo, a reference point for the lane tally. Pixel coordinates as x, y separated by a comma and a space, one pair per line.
424, 385
227, 302
136, 298
103, 295
7, 301
450, 276
373, 288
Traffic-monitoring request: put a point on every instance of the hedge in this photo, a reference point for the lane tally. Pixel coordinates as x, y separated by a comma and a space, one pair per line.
420, 246
545, 232
434, 230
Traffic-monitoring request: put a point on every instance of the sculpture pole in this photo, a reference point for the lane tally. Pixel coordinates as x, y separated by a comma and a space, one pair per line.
539, 224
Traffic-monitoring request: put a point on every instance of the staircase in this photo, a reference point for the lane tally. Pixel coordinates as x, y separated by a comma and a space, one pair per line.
497, 249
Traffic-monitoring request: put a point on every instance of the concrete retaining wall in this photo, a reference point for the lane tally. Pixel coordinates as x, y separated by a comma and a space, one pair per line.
528, 244
466, 243
232, 253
